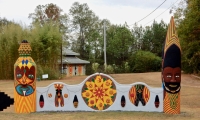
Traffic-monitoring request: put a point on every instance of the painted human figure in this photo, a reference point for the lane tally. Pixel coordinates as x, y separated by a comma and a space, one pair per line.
59, 100
139, 95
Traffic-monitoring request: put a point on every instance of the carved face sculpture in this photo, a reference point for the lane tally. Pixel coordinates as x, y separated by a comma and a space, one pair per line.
172, 79
25, 76
171, 73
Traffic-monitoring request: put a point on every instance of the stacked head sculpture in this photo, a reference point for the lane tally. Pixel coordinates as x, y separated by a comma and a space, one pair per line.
25, 80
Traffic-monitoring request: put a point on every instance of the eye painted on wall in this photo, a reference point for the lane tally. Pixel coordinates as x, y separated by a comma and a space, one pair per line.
30, 76
19, 72
30, 73
19, 76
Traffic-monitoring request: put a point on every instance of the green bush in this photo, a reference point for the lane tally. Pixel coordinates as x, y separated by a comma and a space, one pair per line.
109, 69
95, 67
89, 70
144, 61
190, 59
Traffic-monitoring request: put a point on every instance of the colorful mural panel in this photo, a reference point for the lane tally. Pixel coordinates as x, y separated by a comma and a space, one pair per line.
99, 92
139, 93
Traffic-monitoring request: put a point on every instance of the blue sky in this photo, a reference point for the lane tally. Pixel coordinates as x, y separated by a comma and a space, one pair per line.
117, 11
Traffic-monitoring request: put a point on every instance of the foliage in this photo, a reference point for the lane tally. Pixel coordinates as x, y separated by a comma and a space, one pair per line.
151, 38
49, 13
188, 31
85, 25
126, 67
144, 61
10, 37
119, 39
89, 70
109, 69
95, 67
46, 42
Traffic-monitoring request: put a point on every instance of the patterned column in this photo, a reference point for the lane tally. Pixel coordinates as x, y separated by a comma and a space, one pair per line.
25, 80
171, 71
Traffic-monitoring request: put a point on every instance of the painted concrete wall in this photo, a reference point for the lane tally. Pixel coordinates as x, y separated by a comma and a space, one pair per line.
99, 92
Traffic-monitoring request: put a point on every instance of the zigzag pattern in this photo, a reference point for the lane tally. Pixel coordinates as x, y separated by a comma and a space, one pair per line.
146, 94
172, 37
25, 104
132, 94
171, 103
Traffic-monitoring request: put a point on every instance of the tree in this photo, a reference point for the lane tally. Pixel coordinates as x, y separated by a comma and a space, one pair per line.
119, 39
50, 13
188, 31
84, 21
10, 36
45, 42
159, 31
137, 33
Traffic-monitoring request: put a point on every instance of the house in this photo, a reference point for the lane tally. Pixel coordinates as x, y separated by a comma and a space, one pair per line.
71, 64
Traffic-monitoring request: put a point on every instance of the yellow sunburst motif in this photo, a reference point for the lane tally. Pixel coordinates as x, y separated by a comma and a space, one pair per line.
99, 92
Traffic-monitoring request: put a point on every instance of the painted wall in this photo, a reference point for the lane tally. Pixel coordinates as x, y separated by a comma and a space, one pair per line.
99, 92
74, 70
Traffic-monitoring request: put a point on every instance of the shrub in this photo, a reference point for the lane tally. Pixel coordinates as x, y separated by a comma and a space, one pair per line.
109, 69
95, 67
144, 61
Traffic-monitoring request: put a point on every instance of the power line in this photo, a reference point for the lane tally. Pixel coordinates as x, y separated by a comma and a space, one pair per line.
150, 13
161, 13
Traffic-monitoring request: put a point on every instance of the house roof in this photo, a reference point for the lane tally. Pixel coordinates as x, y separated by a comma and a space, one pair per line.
73, 60
69, 52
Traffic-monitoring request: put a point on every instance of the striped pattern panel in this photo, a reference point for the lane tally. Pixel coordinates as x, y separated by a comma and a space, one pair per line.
171, 103
146, 94
172, 37
24, 104
79, 69
132, 94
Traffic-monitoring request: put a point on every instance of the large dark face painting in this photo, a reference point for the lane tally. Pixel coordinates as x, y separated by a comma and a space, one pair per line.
171, 73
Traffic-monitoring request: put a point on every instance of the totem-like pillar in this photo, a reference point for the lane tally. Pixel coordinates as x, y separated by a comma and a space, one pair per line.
171, 71
25, 80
